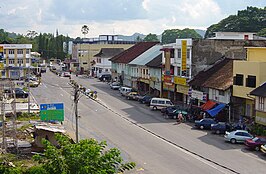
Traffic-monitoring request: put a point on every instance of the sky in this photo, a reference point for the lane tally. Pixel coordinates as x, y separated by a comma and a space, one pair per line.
124, 17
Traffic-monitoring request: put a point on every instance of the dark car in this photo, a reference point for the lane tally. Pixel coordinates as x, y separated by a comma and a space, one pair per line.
204, 123
255, 143
221, 127
105, 77
20, 93
145, 99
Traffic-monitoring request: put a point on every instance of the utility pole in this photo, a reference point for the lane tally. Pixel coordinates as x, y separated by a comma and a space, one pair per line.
28, 89
76, 99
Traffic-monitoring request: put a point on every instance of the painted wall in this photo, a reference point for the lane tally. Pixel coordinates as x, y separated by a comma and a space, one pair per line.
215, 96
256, 54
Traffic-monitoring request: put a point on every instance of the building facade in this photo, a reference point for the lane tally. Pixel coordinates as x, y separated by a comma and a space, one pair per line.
16, 60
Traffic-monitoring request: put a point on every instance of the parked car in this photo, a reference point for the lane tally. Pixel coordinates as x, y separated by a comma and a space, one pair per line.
115, 85
20, 93
204, 123
255, 143
159, 103
168, 109
105, 77
145, 99
66, 74
238, 136
221, 127
132, 95
33, 83
123, 90
263, 148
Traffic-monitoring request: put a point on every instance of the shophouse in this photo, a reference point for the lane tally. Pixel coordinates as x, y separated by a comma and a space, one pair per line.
103, 64
139, 72
213, 87
155, 69
16, 60
248, 75
260, 104
120, 68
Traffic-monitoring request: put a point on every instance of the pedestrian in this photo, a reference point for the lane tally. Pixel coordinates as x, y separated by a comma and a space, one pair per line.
180, 117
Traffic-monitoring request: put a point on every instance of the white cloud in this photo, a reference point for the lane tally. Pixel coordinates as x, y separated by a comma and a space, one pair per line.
121, 16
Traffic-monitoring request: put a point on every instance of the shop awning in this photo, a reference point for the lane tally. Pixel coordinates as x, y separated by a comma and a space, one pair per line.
213, 112
208, 105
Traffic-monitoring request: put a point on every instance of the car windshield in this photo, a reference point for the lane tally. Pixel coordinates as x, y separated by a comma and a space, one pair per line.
255, 139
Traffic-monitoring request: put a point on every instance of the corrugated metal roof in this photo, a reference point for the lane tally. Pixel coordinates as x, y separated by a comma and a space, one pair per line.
147, 56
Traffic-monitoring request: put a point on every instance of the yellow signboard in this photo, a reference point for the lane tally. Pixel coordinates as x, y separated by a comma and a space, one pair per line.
180, 81
184, 55
182, 89
1, 49
1, 66
1, 53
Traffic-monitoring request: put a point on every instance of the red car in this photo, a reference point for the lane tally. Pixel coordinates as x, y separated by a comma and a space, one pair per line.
256, 142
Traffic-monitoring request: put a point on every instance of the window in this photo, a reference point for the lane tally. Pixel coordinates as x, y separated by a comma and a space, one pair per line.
172, 53
154, 101
160, 102
213, 94
179, 71
27, 51
187, 75
238, 79
168, 102
10, 51
20, 51
11, 61
261, 104
20, 61
84, 63
239, 134
221, 93
188, 53
27, 60
179, 53
251, 81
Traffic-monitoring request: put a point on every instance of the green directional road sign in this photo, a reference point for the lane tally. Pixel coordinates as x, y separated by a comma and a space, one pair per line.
53, 111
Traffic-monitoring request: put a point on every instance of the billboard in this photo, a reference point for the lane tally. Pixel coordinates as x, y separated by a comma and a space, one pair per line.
52, 111
1, 53
184, 55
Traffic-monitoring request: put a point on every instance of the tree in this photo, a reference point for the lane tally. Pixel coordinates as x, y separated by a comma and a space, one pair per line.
170, 36
86, 157
262, 32
251, 19
31, 34
84, 30
151, 38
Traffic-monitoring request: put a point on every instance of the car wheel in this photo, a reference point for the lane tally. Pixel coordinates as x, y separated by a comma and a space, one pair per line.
201, 127
218, 132
233, 141
154, 108
257, 148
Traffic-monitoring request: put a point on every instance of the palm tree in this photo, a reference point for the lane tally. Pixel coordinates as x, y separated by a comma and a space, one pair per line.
85, 30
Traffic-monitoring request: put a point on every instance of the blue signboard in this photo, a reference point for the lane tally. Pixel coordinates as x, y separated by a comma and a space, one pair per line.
52, 111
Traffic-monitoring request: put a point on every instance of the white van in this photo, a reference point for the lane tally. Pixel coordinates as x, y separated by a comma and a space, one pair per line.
123, 90
159, 103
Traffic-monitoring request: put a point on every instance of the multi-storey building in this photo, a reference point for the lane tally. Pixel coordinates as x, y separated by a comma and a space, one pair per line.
83, 51
16, 61
248, 75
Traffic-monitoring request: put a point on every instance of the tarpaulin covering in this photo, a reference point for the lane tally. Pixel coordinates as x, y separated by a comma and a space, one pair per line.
216, 110
208, 105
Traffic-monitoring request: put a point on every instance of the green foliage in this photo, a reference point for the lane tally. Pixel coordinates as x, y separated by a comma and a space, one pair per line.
251, 19
170, 36
5, 169
27, 116
151, 38
87, 156
262, 32
36, 170
258, 130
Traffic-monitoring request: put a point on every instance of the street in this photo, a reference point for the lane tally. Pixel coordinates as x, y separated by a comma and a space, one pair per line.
143, 136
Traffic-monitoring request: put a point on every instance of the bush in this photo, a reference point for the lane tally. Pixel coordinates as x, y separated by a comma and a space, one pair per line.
36, 170
4, 169
258, 130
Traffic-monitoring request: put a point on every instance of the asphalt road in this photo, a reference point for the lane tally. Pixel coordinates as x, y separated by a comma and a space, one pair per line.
144, 136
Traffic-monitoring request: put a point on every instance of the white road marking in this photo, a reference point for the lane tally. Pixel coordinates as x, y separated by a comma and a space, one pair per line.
61, 95
44, 85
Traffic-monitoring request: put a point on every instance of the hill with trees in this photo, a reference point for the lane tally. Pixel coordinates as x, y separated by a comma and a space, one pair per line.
252, 19
170, 36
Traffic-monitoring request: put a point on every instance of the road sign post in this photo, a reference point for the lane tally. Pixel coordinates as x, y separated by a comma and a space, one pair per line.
52, 111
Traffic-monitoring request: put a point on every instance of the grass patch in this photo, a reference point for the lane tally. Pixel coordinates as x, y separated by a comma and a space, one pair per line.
27, 117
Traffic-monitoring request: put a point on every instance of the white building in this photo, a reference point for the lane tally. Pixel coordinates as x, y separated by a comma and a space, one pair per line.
16, 61
234, 36
102, 64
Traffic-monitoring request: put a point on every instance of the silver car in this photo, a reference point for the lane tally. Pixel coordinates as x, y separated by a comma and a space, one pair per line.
238, 136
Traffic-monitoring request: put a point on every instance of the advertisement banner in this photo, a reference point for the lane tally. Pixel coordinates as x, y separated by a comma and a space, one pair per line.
1, 53
180, 81
184, 55
167, 61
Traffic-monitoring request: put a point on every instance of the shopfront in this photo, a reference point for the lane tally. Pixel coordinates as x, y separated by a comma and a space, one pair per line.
181, 90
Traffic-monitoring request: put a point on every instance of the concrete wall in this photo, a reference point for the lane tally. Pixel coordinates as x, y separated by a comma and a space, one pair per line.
207, 52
